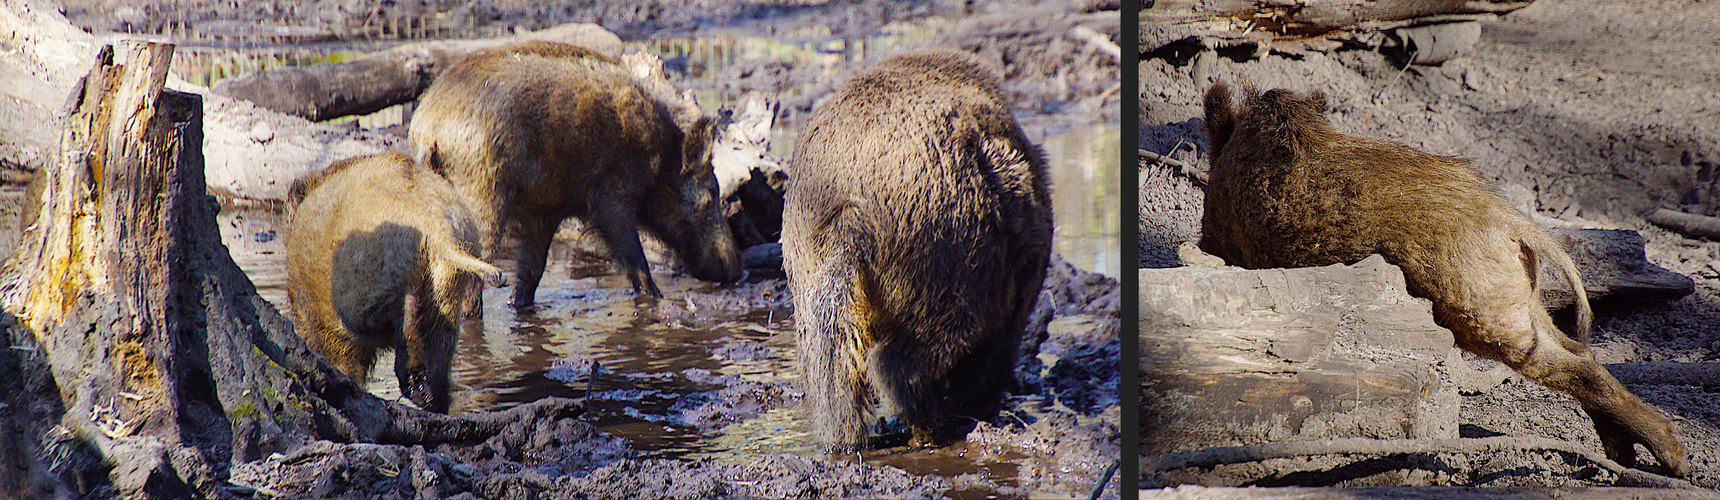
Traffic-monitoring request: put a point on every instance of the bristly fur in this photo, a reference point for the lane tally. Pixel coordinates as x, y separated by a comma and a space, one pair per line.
1287, 190
537, 132
379, 256
916, 232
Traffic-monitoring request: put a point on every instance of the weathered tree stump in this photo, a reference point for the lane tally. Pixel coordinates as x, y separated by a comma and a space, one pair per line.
163, 366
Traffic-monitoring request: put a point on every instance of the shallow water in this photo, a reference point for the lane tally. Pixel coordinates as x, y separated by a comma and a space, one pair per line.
703, 373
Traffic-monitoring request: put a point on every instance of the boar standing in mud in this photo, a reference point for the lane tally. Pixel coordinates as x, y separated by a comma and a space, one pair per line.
379, 256
538, 132
1287, 190
916, 232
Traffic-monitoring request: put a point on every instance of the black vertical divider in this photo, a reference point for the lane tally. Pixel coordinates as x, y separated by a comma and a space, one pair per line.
1128, 314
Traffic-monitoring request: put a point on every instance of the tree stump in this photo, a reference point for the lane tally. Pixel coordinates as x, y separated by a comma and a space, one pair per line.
163, 366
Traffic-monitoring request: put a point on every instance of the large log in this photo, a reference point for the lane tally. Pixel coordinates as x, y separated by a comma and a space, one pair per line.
161, 359
1320, 15
1234, 357
391, 77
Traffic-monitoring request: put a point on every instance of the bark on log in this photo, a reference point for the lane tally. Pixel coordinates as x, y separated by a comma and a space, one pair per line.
388, 78
1613, 264
161, 359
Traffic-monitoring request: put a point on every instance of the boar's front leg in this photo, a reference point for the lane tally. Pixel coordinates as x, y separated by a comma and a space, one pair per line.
619, 224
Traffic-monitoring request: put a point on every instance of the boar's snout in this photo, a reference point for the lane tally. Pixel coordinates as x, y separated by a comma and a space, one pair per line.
719, 260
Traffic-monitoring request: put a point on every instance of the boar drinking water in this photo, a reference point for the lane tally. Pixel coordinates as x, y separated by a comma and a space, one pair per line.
916, 232
379, 256
538, 132
1287, 190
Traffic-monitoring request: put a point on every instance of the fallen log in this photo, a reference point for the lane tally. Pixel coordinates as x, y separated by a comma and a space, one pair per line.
1322, 15
1688, 224
163, 368
388, 78
1613, 264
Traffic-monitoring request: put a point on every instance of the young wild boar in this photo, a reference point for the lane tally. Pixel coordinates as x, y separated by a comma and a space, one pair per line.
538, 132
379, 256
916, 232
1287, 190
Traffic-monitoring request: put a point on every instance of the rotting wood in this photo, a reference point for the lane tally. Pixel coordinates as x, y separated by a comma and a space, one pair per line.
1211, 457
163, 356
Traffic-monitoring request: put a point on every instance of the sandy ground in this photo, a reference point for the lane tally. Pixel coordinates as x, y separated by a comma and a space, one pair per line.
1590, 113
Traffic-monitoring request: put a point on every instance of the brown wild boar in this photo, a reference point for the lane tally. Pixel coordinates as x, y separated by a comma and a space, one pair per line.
379, 256
538, 132
1287, 190
916, 232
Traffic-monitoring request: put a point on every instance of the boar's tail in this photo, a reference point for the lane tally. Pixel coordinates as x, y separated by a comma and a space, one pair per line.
450, 252
832, 349
1539, 244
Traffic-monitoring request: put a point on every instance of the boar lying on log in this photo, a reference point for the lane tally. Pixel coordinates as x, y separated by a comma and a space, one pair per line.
1288, 191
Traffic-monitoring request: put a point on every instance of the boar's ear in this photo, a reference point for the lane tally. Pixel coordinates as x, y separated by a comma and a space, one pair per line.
1318, 100
1220, 117
696, 143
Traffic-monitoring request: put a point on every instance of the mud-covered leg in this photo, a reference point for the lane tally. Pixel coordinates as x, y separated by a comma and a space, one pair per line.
1621, 419
619, 225
529, 262
914, 385
421, 362
830, 341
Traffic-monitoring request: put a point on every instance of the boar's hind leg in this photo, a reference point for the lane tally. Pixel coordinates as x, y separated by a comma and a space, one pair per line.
535, 237
619, 224
1621, 419
832, 328
425, 352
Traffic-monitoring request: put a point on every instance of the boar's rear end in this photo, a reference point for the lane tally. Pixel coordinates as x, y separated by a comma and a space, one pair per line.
917, 229
379, 256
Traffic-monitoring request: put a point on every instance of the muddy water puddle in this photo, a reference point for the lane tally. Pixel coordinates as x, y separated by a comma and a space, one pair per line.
705, 372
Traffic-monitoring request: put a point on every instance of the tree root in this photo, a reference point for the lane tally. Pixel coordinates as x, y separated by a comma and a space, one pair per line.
1211, 457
